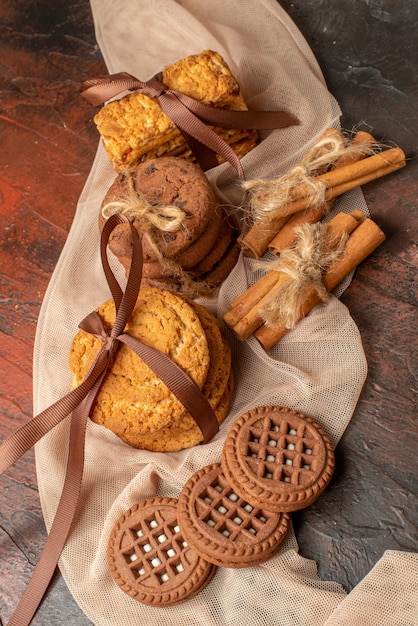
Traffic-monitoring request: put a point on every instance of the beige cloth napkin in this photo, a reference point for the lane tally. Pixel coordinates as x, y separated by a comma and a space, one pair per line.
318, 369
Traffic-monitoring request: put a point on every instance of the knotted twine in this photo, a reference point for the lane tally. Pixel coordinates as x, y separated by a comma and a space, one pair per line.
190, 117
265, 196
78, 403
304, 263
167, 218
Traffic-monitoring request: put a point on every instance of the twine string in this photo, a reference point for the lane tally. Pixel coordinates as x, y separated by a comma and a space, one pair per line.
304, 263
268, 195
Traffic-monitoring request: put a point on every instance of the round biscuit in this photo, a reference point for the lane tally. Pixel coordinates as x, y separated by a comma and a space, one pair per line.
149, 559
184, 432
164, 181
132, 400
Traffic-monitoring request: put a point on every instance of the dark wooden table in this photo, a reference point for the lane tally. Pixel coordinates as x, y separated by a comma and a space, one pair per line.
368, 53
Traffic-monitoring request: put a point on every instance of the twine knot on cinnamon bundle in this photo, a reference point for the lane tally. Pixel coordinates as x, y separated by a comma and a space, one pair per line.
267, 196
305, 263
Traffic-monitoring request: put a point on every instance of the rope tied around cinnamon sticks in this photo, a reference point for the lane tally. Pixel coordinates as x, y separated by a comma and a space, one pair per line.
362, 161
269, 195
77, 404
305, 263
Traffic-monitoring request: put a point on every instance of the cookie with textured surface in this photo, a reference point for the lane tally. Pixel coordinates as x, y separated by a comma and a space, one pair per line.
149, 559
134, 128
225, 528
132, 399
278, 458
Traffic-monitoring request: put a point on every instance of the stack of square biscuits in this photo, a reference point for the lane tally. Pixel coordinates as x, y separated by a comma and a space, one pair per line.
134, 128
132, 401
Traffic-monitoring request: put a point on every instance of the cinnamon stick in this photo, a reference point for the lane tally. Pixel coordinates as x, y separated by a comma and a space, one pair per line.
244, 317
254, 242
361, 243
348, 177
286, 235
338, 181
363, 140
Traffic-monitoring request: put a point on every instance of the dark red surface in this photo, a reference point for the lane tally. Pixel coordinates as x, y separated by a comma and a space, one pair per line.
368, 53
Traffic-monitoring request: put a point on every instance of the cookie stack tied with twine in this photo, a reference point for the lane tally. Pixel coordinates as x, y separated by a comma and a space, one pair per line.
189, 240
132, 401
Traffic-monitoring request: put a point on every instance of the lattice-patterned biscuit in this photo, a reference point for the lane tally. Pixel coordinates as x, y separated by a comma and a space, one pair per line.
278, 458
223, 527
149, 559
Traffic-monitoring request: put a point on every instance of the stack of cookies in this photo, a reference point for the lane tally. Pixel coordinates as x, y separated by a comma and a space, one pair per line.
233, 514
195, 257
274, 461
132, 401
155, 164
134, 128
278, 458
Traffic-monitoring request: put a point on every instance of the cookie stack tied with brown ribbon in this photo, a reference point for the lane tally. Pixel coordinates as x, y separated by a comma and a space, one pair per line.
274, 461
149, 558
134, 128
132, 401
189, 241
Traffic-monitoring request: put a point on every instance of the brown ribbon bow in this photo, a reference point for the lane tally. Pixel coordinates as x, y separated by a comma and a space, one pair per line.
78, 403
189, 115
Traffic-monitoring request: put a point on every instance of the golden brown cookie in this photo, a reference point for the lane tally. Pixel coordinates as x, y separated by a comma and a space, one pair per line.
132, 400
184, 432
278, 458
223, 527
219, 354
218, 390
149, 559
204, 77
134, 128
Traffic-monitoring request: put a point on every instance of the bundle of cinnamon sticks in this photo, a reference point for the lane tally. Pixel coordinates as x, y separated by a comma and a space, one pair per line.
244, 316
277, 229
273, 230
